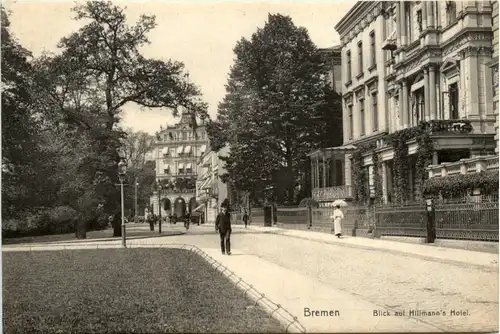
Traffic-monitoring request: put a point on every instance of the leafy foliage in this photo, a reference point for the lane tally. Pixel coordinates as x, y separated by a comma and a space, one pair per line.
62, 112
19, 127
278, 108
398, 140
461, 185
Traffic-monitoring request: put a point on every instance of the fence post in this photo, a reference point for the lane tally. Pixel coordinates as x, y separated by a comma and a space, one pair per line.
431, 221
310, 216
375, 231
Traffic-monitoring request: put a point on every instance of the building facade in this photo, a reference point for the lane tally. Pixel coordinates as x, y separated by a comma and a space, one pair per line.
494, 66
328, 164
210, 190
176, 153
410, 64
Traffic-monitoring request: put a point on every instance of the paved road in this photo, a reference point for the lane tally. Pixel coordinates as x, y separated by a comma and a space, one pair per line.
390, 280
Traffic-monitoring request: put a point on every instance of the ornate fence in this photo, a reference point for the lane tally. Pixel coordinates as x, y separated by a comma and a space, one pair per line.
467, 221
459, 220
298, 218
408, 220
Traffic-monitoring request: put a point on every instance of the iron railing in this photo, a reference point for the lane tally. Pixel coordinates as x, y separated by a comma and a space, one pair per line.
332, 193
407, 220
467, 221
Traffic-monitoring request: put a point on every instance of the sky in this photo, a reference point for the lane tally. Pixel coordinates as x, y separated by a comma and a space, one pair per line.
201, 34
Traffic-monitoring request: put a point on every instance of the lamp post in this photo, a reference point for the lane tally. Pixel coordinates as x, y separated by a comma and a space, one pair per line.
159, 188
122, 171
135, 202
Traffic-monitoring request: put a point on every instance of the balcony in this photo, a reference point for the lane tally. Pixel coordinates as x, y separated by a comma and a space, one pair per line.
464, 166
332, 193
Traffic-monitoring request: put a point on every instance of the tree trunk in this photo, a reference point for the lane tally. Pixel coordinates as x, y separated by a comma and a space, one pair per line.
81, 229
117, 226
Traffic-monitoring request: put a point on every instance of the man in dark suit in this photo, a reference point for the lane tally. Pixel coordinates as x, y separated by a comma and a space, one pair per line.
223, 225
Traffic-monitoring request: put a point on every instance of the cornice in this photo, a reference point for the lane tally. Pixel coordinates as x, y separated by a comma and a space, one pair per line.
357, 19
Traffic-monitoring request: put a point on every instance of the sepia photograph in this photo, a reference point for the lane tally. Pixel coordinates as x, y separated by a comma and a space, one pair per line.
249, 166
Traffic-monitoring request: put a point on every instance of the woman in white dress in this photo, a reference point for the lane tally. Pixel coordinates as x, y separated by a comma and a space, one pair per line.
337, 219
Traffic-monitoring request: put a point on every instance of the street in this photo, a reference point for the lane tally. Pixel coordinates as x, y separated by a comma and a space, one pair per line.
392, 281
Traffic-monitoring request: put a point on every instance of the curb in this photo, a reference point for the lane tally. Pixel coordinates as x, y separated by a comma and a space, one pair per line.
276, 311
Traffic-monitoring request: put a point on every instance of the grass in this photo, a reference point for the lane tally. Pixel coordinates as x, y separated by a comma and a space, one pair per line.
134, 231
123, 291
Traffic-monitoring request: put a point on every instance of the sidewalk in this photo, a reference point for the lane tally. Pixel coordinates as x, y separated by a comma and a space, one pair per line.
302, 296
429, 252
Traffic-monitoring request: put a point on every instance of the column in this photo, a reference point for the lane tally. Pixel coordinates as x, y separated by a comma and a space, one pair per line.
317, 172
424, 15
426, 94
324, 172
400, 106
435, 159
405, 104
398, 23
432, 92
312, 173
430, 13
402, 21
472, 81
384, 181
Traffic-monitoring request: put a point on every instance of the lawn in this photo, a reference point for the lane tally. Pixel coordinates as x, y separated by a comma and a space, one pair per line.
134, 231
123, 291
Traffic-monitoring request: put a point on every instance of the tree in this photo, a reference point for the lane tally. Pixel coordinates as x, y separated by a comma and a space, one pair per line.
134, 147
83, 89
20, 151
278, 107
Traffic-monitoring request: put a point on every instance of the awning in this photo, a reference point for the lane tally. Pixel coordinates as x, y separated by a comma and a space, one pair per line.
207, 184
164, 151
199, 207
167, 166
189, 166
181, 166
180, 149
203, 148
187, 149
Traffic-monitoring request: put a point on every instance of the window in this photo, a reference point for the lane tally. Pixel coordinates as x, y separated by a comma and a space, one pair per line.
165, 137
419, 19
451, 12
418, 105
184, 135
453, 96
339, 173
351, 123
360, 57
409, 20
203, 135
362, 116
373, 55
172, 152
165, 171
374, 112
349, 66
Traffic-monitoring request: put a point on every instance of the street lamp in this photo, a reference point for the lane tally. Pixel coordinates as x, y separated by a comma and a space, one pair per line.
159, 206
135, 203
122, 172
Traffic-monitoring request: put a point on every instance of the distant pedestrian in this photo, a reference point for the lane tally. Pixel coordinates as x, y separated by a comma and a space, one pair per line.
337, 216
245, 218
223, 225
